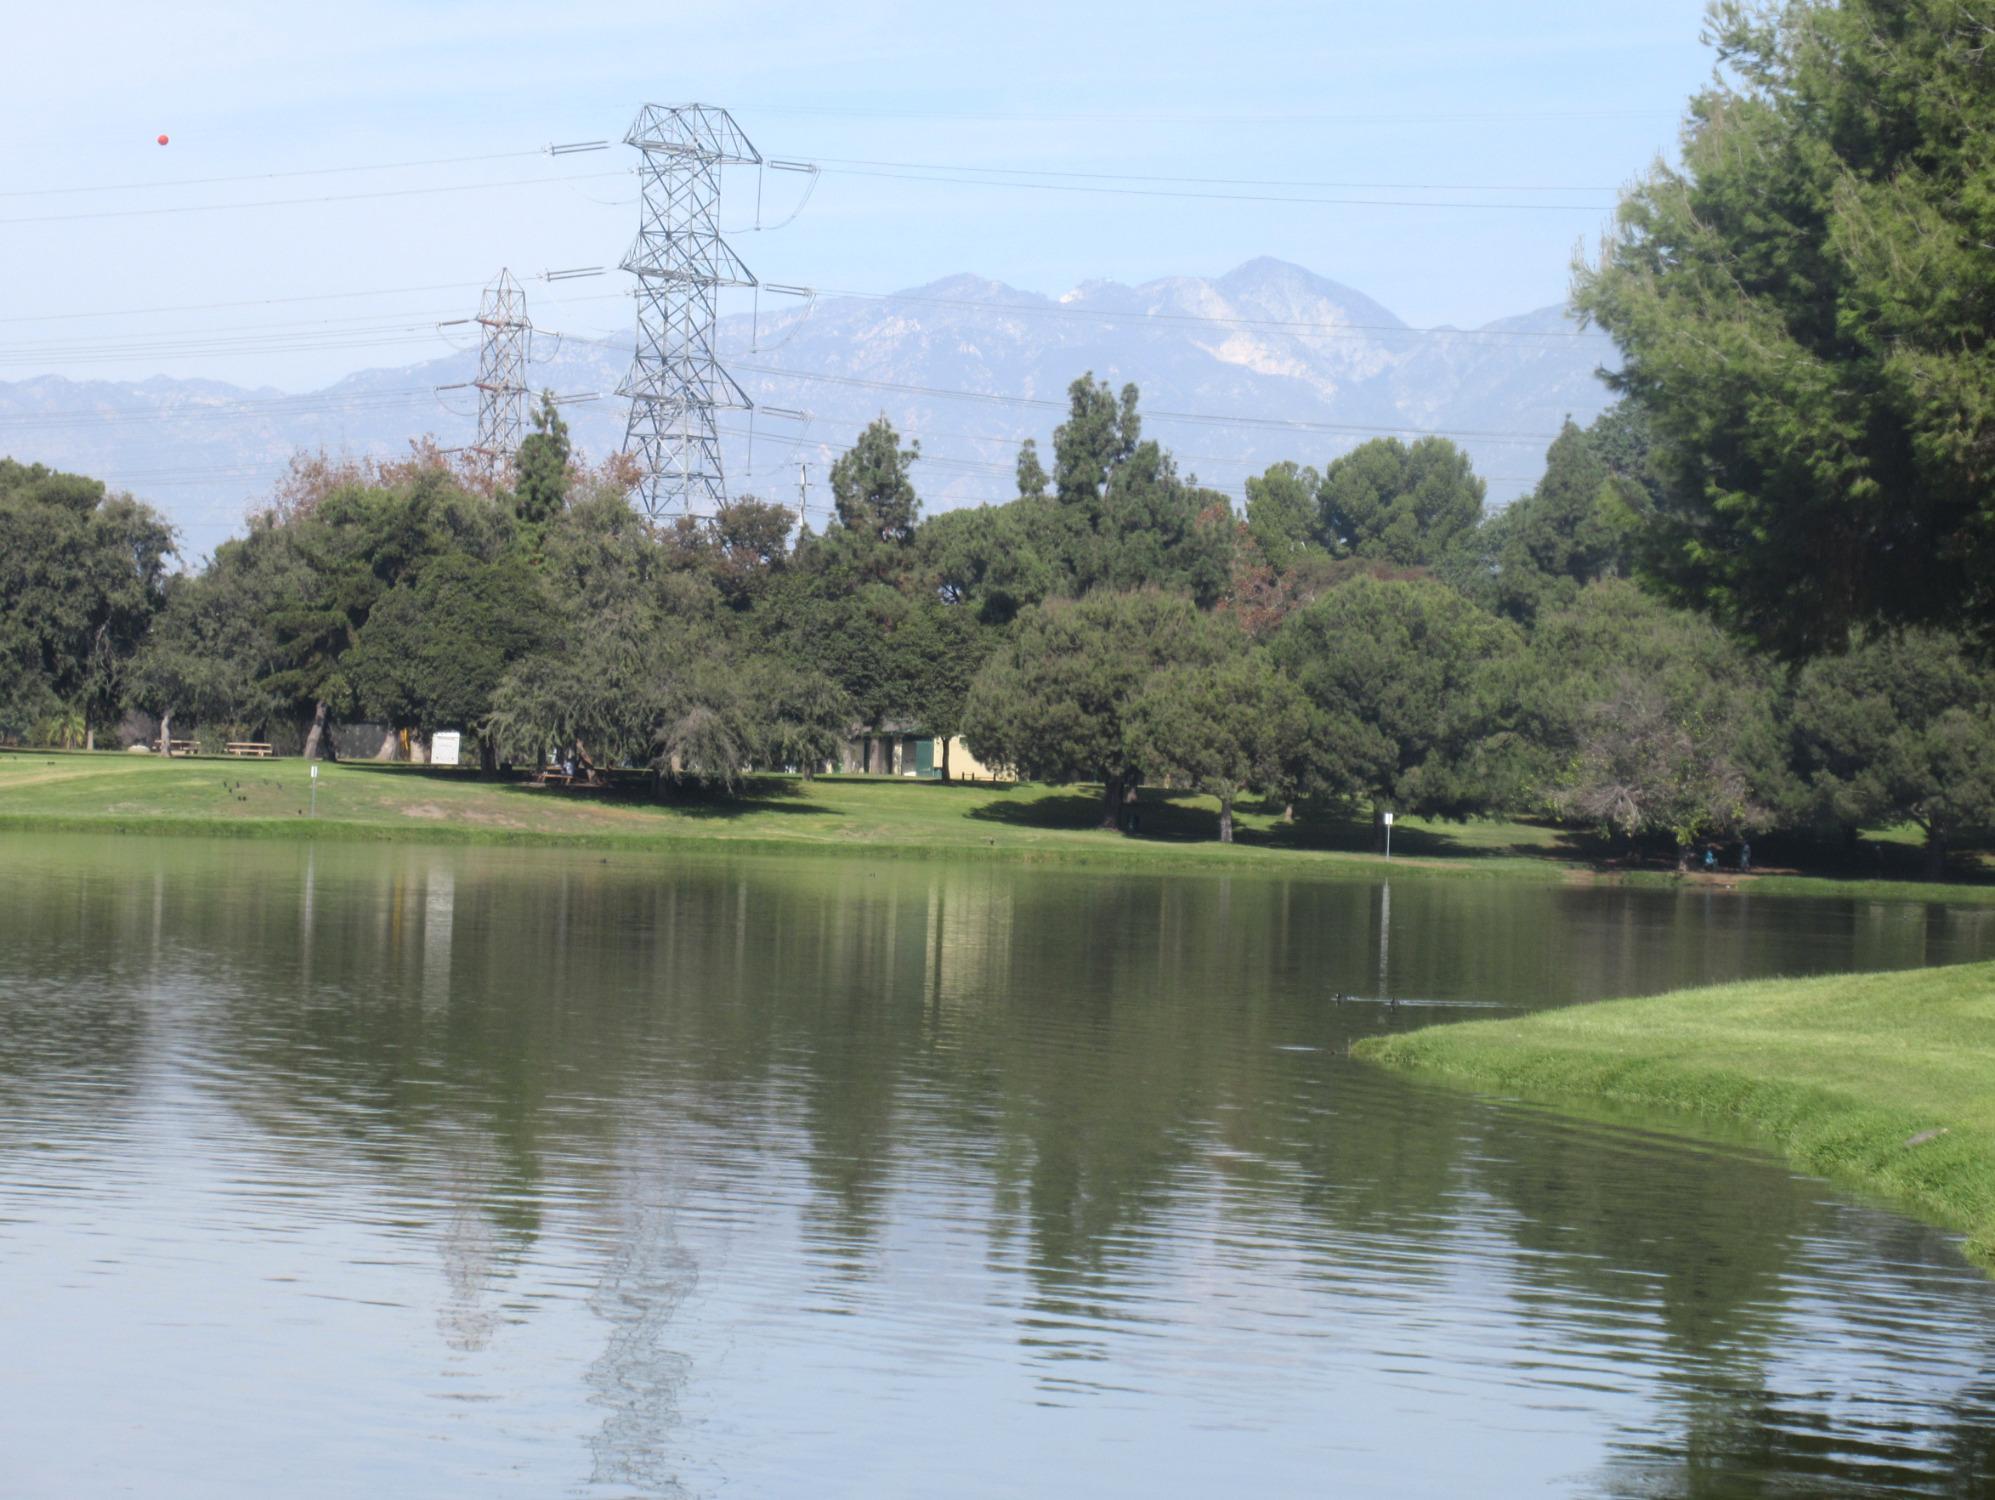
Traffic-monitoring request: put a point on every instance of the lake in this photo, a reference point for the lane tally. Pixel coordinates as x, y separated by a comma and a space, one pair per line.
440, 1172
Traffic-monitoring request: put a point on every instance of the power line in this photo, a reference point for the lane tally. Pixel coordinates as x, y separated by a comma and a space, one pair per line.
1422, 187
312, 404
359, 331
1313, 328
1012, 440
1131, 192
132, 312
379, 166
1199, 418
413, 192
1210, 419
1192, 117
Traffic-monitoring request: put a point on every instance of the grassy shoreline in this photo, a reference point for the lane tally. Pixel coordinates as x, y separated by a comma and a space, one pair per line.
1877, 1081
54, 792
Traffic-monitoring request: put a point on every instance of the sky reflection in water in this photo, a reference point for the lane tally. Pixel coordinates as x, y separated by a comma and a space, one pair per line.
474, 1173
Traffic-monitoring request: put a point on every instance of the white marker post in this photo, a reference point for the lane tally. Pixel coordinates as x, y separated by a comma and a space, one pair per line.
1388, 829
315, 790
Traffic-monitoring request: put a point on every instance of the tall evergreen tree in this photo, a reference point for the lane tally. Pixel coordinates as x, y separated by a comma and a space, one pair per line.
541, 465
1807, 310
871, 487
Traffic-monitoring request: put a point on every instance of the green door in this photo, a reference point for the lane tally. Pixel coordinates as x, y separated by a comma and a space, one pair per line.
924, 758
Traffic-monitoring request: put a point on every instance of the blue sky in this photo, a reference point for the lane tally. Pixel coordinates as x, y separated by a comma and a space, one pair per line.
1539, 102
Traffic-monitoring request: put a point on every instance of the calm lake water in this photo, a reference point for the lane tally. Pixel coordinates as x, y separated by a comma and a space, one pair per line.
431, 1172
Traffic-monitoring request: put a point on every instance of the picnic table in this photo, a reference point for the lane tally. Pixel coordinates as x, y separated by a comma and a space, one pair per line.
248, 747
555, 776
182, 747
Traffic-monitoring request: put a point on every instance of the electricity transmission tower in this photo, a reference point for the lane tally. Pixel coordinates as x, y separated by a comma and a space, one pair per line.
502, 357
676, 382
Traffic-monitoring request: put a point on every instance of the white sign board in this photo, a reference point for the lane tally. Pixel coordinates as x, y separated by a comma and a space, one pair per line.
443, 747
1388, 820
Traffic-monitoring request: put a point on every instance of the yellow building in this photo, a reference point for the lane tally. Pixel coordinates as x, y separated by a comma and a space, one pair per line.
900, 750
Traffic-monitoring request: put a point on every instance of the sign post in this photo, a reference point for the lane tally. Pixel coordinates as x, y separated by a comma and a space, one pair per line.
1388, 829
315, 790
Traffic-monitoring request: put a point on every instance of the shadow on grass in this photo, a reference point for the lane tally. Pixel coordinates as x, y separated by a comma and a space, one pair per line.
1162, 816
1066, 811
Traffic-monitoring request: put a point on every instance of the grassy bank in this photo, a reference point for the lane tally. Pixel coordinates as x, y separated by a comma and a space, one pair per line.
272, 799
365, 801
1877, 1080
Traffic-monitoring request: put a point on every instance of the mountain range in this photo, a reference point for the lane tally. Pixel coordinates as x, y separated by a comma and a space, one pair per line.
1265, 363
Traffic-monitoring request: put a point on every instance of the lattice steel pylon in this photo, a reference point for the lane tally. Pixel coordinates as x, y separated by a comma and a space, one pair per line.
503, 352
676, 382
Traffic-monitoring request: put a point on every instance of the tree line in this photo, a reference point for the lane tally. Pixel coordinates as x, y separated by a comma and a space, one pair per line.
1364, 636
1755, 594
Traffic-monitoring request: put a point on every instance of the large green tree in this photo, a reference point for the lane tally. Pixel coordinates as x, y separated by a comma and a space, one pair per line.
433, 650
1123, 517
1652, 723
1055, 703
1406, 676
990, 559
1388, 502
1900, 730
1283, 510
1225, 728
208, 656
872, 487
1805, 308
635, 663
349, 550
82, 573
1575, 526
750, 547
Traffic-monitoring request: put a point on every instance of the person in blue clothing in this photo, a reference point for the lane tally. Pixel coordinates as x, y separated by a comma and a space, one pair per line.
1745, 856
1710, 856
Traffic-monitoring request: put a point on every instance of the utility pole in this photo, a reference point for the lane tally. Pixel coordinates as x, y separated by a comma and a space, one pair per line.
503, 353
676, 382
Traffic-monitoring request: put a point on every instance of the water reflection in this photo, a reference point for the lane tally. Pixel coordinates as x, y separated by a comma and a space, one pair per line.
664, 1178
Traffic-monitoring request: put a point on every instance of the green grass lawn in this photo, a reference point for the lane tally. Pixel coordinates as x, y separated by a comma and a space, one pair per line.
1886, 1081
368, 800
49, 789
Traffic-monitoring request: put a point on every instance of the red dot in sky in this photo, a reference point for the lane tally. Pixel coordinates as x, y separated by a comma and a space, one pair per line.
162, 140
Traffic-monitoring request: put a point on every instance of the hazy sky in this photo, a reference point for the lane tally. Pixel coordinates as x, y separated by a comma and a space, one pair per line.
1548, 103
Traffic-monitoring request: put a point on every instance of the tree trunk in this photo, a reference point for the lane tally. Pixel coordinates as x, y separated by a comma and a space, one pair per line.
90, 737
1683, 859
1378, 828
166, 733
1288, 812
390, 743
1225, 820
1111, 802
945, 757
315, 737
1936, 854
488, 755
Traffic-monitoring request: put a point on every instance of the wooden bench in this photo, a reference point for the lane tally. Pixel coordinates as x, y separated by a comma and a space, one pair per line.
182, 747
248, 747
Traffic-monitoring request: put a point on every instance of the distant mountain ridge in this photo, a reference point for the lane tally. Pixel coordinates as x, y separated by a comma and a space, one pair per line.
1270, 361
